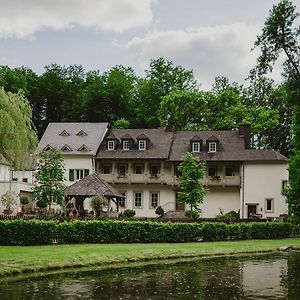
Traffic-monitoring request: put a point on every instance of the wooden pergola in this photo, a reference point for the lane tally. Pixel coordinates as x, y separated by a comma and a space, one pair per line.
90, 186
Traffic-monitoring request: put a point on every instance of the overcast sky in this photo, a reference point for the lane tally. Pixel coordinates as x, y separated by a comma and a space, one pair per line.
211, 37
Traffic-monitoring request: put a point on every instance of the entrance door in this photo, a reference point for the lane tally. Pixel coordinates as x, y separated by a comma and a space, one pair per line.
251, 211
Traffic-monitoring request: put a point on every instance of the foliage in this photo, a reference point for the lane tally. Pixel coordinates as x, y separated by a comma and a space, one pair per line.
98, 203
160, 211
50, 177
128, 213
16, 128
24, 200
120, 124
192, 173
42, 203
9, 199
33, 232
192, 214
231, 216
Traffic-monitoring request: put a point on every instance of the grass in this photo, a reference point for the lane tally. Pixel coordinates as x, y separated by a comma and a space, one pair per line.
31, 259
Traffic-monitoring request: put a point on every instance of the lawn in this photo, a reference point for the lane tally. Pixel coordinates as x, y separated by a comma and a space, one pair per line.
25, 259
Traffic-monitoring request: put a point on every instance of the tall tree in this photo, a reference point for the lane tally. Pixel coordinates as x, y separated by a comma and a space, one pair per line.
16, 128
50, 177
280, 34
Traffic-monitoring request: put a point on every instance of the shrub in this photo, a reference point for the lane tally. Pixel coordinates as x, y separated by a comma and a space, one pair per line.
229, 217
42, 203
129, 213
98, 203
192, 214
24, 200
159, 211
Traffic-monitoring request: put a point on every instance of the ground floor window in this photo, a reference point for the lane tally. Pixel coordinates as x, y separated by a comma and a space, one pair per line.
138, 199
269, 205
154, 199
122, 201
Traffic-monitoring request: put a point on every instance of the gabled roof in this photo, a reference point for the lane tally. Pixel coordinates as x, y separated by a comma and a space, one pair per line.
195, 138
212, 138
92, 185
142, 137
159, 147
126, 137
94, 135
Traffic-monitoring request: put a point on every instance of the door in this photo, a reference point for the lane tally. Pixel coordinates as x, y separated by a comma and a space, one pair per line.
251, 211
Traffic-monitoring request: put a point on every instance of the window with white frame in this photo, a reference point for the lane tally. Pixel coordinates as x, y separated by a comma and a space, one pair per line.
154, 199
142, 145
196, 147
138, 199
122, 201
126, 145
110, 145
212, 147
284, 185
269, 205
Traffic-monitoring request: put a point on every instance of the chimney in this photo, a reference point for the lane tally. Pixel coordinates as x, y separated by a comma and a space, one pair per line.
245, 132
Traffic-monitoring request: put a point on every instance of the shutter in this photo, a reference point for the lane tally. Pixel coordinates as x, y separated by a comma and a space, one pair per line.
71, 174
86, 172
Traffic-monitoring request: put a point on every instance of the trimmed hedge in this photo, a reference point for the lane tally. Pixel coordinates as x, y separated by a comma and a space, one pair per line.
37, 232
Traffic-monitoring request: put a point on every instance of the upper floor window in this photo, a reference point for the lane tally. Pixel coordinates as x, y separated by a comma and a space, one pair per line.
229, 170
196, 147
212, 147
142, 145
154, 169
106, 169
122, 169
138, 168
126, 145
212, 171
110, 145
77, 174
284, 185
24, 179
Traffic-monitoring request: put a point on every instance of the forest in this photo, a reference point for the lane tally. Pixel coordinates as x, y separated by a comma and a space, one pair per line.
167, 95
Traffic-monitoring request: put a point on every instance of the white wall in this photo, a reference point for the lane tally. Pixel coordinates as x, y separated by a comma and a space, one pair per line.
77, 162
262, 181
4, 173
227, 199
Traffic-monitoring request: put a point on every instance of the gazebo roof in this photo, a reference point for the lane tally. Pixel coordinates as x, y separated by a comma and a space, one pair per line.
93, 185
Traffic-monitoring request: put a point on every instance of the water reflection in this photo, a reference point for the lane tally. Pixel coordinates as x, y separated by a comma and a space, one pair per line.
259, 277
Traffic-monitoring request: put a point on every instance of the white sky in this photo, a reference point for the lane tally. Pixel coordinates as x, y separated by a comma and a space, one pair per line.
212, 37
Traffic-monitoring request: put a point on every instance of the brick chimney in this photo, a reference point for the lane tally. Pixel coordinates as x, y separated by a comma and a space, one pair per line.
245, 132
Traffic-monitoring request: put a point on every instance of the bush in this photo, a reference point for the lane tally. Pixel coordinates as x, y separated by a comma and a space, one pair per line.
128, 213
229, 217
24, 200
42, 203
98, 203
192, 214
159, 211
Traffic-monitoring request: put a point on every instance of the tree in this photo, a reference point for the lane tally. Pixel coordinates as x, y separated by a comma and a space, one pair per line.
17, 131
281, 35
50, 177
192, 173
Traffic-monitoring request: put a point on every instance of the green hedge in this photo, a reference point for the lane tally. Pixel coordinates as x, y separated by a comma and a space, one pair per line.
37, 232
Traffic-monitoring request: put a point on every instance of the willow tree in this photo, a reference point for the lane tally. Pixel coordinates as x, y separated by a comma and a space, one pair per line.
17, 131
281, 36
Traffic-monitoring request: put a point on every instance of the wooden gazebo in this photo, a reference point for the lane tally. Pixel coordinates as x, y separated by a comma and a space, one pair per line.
90, 186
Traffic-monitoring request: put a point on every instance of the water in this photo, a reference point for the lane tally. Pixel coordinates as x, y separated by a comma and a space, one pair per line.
253, 277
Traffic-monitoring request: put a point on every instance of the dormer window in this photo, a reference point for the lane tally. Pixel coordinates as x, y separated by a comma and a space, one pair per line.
212, 147
66, 148
195, 146
48, 147
110, 145
126, 145
81, 133
84, 148
64, 133
142, 145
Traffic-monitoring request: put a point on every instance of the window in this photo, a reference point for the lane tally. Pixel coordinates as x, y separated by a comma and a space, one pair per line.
154, 199
110, 145
212, 171
154, 169
15, 179
284, 185
122, 169
81, 133
229, 170
122, 201
176, 171
24, 179
142, 145
195, 147
77, 174
212, 147
126, 145
138, 199
138, 168
106, 169
269, 205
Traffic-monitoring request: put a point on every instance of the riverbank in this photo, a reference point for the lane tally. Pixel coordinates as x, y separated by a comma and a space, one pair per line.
16, 260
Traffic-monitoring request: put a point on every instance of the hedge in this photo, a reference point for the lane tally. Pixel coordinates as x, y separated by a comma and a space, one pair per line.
39, 232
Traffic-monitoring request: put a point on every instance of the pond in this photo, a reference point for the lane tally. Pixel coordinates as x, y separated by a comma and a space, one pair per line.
275, 276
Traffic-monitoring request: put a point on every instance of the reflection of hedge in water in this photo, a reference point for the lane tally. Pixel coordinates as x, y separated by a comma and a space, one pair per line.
36, 232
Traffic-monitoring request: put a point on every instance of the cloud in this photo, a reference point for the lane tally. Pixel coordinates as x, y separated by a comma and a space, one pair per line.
19, 18
210, 51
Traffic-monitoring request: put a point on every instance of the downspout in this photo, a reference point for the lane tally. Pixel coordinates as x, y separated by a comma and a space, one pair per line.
243, 190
